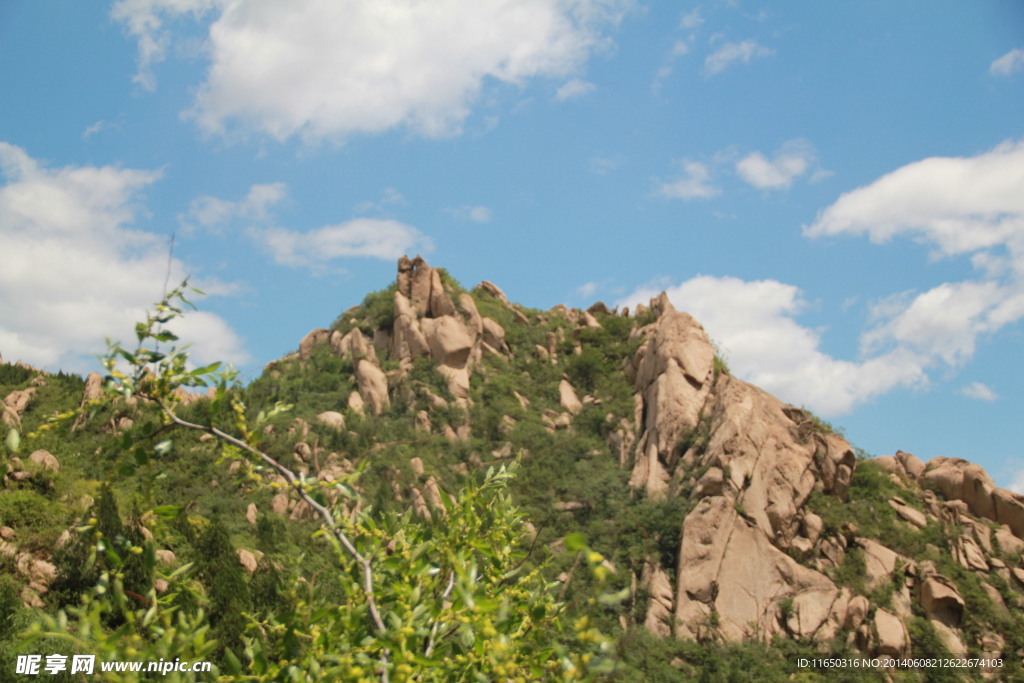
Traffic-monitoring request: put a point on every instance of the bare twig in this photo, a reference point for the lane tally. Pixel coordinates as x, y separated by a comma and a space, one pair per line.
432, 642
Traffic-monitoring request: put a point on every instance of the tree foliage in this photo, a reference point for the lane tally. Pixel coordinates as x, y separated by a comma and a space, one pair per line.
452, 596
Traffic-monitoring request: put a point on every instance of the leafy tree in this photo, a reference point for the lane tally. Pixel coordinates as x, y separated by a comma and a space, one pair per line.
446, 598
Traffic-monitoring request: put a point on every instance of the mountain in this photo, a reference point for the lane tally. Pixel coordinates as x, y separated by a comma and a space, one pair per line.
740, 529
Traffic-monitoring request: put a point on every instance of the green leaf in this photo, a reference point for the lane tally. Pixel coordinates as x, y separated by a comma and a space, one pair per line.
167, 511
206, 369
575, 541
13, 441
614, 598
231, 663
140, 455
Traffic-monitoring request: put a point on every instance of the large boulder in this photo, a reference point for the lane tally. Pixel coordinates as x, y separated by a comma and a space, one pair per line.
448, 339
332, 419
414, 282
311, 340
568, 398
440, 303
93, 387
941, 600
407, 340
494, 290
373, 386
15, 404
891, 635
46, 459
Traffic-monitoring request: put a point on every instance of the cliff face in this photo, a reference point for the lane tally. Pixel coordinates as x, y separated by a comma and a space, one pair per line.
770, 543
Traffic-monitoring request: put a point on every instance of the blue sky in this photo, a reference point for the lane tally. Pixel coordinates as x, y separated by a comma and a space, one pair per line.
836, 190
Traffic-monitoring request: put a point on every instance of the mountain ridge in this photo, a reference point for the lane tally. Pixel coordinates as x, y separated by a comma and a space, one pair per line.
730, 516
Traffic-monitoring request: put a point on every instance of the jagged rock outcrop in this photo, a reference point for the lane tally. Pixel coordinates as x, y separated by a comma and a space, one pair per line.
15, 404
759, 460
747, 473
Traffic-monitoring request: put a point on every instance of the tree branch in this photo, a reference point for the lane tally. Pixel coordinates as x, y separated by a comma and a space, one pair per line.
322, 510
432, 642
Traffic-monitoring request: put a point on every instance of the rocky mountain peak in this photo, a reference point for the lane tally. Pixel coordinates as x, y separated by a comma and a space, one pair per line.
756, 519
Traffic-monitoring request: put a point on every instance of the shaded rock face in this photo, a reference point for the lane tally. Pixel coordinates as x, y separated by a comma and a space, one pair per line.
760, 463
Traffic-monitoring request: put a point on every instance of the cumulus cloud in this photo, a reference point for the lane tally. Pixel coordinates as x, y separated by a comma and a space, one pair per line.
959, 205
577, 87
734, 53
691, 19
754, 322
1010, 63
694, 183
965, 206
360, 237
210, 211
970, 206
73, 270
943, 322
980, 392
329, 68
145, 20
794, 159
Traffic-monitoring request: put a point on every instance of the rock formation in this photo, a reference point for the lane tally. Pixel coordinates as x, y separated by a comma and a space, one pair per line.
761, 543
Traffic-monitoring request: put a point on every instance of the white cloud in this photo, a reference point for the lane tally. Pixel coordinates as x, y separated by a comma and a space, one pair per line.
94, 129
972, 206
678, 49
1010, 63
477, 214
360, 237
943, 322
144, 19
388, 197
73, 271
330, 68
695, 183
794, 159
755, 325
1017, 482
980, 392
691, 19
587, 289
733, 53
960, 205
577, 87
210, 211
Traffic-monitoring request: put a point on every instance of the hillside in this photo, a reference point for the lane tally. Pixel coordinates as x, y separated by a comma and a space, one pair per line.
743, 532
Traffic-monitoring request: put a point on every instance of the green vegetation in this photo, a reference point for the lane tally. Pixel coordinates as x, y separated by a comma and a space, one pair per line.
466, 591
448, 597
